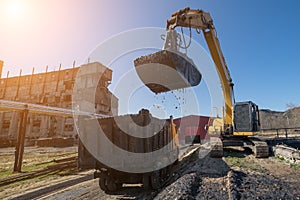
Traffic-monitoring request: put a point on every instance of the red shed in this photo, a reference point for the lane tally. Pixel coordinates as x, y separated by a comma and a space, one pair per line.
191, 129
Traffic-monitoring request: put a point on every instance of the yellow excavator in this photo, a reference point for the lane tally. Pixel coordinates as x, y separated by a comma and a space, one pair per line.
240, 119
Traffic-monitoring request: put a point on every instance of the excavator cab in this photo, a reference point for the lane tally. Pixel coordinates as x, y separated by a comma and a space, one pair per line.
246, 117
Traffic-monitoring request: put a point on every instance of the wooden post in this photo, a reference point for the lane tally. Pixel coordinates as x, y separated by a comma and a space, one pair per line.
21, 140
286, 134
18, 86
30, 85
277, 132
1, 120
5, 86
57, 80
44, 83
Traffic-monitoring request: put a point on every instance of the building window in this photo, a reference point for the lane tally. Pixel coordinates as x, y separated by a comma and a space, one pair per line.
36, 122
68, 97
6, 124
69, 127
68, 85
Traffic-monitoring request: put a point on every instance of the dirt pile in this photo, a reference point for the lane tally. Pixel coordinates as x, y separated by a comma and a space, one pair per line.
251, 185
238, 177
204, 178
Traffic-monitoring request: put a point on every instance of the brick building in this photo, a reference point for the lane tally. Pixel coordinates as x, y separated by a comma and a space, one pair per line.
51, 89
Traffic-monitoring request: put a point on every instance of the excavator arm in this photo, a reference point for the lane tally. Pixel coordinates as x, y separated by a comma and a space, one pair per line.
239, 118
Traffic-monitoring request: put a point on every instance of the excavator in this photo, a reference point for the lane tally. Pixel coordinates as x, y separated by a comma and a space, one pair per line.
240, 120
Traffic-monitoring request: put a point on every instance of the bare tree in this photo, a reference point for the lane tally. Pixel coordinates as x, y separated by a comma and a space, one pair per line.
291, 105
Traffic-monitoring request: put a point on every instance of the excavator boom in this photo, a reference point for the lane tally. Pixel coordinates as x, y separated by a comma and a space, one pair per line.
201, 20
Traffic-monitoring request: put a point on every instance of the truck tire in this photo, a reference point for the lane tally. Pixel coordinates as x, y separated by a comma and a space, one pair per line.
103, 182
112, 186
155, 180
146, 182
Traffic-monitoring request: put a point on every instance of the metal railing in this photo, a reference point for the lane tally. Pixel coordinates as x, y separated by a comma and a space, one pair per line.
24, 109
9, 106
277, 132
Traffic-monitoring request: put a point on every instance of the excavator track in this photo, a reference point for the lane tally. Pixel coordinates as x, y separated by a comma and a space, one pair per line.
260, 149
216, 147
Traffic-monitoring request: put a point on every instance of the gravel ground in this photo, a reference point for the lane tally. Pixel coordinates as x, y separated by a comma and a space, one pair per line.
262, 186
204, 178
237, 176
216, 178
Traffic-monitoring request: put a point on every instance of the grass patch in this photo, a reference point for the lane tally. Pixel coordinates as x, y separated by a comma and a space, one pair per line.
6, 173
25, 168
49, 176
244, 163
294, 165
36, 159
30, 163
281, 158
27, 181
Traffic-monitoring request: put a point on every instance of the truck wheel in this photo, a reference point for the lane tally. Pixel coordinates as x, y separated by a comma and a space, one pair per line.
103, 183
146, 182
155, 180
112, 186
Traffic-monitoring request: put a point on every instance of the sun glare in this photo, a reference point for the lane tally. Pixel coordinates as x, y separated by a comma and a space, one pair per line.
15, 9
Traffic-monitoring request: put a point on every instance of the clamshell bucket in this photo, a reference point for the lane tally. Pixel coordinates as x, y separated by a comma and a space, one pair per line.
165, 70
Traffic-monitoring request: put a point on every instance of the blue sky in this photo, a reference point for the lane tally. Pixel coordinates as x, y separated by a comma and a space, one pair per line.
259, 39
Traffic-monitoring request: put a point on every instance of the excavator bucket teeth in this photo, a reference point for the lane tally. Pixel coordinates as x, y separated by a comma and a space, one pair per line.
165, 70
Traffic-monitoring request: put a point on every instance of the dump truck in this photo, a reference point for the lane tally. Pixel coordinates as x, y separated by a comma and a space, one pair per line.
116, 130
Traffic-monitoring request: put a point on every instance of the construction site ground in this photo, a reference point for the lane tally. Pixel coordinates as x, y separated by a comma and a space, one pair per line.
238, 175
